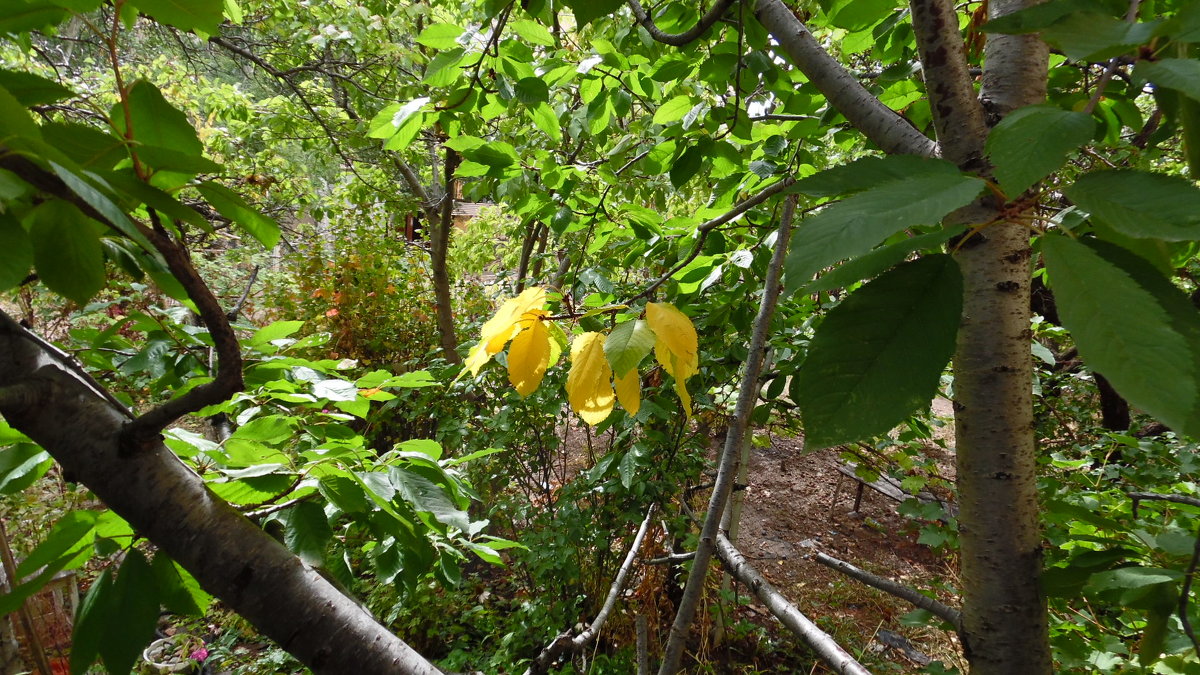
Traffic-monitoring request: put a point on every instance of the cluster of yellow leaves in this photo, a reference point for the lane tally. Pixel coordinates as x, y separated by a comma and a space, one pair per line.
592, 390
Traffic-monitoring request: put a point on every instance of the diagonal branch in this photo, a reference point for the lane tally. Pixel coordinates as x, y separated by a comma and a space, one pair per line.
914, 597
879, 123
734, 437
680, 39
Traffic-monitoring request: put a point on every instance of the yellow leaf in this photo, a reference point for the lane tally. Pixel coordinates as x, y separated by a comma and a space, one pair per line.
503, 327
529, 355
588, 384
476, 359
674, 334
629, 391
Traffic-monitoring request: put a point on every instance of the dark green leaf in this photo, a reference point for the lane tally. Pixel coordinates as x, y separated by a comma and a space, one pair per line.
66, 250
190, 15
1140, 204
14, 118
102, 204
88, 147
1179, 74
30, 89
868, 172
855, 225
21, 16
307, 532
155, 198
1042, 15
627, 345
94, 615
875, 262
344, 493
531, 91
18, 252
879, 355
71, 534
686, 166
1090, 36
1033, 142
233, 207
1128, 326
135, 612
165, 159
179, 590
425, 495
587, 11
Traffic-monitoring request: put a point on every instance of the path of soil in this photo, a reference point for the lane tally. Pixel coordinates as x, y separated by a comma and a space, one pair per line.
797, 503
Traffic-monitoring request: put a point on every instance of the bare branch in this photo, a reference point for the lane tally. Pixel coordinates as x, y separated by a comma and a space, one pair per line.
726, 469
879, 123
827, 649
910, 595
680, 39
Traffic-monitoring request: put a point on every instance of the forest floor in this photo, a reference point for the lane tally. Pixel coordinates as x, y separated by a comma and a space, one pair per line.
798, 503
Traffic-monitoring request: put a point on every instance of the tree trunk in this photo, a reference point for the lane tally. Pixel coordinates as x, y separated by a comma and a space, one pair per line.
439, 246
167, 503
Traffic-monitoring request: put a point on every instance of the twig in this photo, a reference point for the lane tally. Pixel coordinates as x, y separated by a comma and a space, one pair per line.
679, 39
1111, 68
910, 595
704, 228
233, 313
826, 648
1184, 594
734, 437
564, 642
672, 559
1137, 497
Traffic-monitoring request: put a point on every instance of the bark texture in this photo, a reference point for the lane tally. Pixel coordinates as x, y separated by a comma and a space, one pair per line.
882, 125
167, 503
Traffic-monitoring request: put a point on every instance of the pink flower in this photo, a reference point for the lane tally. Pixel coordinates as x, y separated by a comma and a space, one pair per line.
199, 655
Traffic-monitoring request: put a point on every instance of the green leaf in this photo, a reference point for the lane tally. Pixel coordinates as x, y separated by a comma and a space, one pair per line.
394, 118
869, 172
673, 110
155, 121
531, 91
269, 429
135, 608
875, 262
440, 36
1131, 577
587, 11
70, 535
87, 146
94, 615
686, 166
102, 204
1039, 16
544, 118
14, 118
274, 331
189, 15
533, 32
344, 493
444, 68
878, 356
18, 252
21, 465
30, 90
1090, 36
425, 495
229, 204
166, 159
179, 590
335, 390
857, 15
627, 345
1033, 142
1140, 204
855, 225
66, 250
154, 198
1179, 74
1140, 338
22, 16
307, 532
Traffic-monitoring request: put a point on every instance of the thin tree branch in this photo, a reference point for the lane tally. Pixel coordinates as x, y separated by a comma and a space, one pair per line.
734, 437
911, 595
1156, 497
706, 227
879, 123
826, 648
1106, 76
564, 642
680, 39
1185, 593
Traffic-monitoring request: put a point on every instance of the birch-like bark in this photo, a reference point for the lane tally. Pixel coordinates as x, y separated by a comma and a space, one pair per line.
727, 466
826, 648
879, 123
167, 503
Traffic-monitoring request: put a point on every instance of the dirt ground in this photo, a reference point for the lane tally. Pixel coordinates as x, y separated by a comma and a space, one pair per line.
797, 503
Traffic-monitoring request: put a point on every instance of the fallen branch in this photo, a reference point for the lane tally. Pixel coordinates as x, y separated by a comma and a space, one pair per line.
909, 595
827, 649
564, 642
